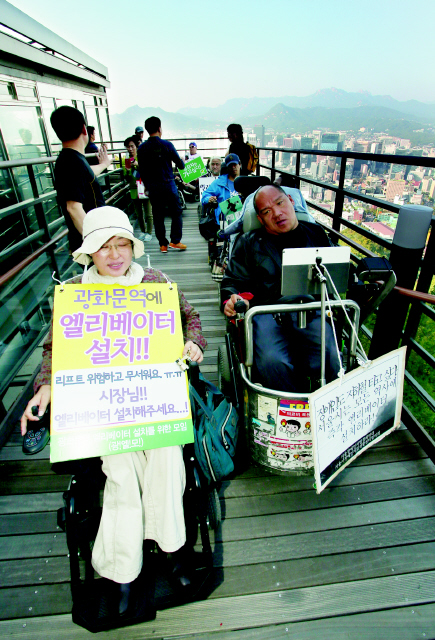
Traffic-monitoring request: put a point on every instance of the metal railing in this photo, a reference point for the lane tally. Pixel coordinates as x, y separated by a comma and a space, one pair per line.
53, 251
25, 280
420, 299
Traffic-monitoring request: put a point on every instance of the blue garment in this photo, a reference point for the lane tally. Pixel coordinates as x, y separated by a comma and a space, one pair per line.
155, 157
222, 188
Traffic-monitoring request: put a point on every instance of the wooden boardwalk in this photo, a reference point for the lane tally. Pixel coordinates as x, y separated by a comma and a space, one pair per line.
358, 561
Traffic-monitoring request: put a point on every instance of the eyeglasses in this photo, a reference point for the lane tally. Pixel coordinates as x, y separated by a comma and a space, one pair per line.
121, 246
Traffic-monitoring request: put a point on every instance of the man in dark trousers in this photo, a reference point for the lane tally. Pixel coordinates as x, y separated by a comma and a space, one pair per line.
284, 353
76, 182
155, 157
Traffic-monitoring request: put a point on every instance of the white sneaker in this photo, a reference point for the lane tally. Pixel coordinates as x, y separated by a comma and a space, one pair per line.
147, 237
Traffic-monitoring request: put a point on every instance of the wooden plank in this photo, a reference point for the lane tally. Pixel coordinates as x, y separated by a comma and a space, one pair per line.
42, 601
254, 527
258, 610
38, 484
26, 467
410, 623
352, 475
17, 524
338, 496
304, 545
30, 502
46, 545
34, 571
314, 571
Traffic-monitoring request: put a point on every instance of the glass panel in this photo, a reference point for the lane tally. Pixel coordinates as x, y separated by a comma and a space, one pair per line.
22, 134
21, 128
89, 100
62, 102
92, 119
104, 124
80, 105
48, 106
26, 93
8, 194
6, 91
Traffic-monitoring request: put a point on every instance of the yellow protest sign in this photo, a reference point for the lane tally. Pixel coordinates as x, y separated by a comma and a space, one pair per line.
115, 384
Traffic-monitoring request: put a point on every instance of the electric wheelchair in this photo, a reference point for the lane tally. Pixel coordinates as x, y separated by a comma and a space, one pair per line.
277, 423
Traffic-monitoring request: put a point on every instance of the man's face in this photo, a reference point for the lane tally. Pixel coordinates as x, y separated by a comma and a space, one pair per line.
275, 211
215, 167
192, 149
233, 170
92, 137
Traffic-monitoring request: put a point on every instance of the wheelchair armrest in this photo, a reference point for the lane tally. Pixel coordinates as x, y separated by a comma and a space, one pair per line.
379, 273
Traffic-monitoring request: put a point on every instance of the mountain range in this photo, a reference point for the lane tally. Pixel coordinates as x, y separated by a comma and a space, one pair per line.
238, 108
330, 109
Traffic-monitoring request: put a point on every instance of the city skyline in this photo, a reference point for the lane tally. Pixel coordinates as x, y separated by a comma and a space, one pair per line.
175, 55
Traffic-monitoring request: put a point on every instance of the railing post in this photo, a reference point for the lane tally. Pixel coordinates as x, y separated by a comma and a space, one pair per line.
339, 197
405, 258
298, 169
42, 220
423, 284
273, 172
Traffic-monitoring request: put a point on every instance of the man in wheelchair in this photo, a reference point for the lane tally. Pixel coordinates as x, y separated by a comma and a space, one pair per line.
285, 355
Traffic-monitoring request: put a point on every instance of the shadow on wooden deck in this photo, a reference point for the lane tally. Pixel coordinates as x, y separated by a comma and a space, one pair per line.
358, 561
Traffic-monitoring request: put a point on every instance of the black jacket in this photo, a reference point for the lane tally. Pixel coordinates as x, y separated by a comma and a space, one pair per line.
256, 261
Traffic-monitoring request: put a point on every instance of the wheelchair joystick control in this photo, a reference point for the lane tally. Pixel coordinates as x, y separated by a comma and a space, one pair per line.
240, 306
37, 437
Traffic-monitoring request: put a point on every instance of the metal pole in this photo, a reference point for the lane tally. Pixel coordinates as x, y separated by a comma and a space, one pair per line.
323, 334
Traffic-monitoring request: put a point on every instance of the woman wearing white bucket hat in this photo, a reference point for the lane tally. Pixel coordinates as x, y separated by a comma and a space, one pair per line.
143, 495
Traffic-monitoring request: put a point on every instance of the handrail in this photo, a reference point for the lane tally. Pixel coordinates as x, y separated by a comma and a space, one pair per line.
24, 263
418, 161
416, 295
11, 164
33, 256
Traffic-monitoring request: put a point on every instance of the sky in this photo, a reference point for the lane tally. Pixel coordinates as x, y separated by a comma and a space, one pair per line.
191, 53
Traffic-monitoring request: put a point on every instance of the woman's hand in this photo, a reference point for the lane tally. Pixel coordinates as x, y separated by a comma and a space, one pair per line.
40, 400
195, 352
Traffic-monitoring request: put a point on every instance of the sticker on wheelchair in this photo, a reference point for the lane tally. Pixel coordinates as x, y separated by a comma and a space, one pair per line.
267, 408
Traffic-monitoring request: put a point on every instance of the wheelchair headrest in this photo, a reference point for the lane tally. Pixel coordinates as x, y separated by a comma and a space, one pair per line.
251, 222
249, 184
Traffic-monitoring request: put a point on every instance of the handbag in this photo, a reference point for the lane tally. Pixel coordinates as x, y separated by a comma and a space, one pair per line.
208, 227
215, 427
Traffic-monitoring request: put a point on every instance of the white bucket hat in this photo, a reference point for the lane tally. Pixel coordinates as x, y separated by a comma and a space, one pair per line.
99, 225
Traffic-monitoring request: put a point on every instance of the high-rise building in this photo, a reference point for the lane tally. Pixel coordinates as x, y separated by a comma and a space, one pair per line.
332, 142
259, 132
279, 140
288, 142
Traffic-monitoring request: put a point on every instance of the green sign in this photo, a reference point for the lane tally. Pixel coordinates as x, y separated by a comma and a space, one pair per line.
193, 169
231, 207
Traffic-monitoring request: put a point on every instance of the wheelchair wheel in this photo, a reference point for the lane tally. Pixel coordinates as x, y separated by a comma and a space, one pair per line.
214, 512
224, 372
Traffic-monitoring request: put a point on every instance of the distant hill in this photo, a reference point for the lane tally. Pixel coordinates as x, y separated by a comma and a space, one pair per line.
284, 119
378, 119
238, 108
173, 124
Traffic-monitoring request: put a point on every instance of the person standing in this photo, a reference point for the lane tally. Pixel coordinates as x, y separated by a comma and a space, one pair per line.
155, 157
239, 147
139, 133
91, 147
142, 206
78, 190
